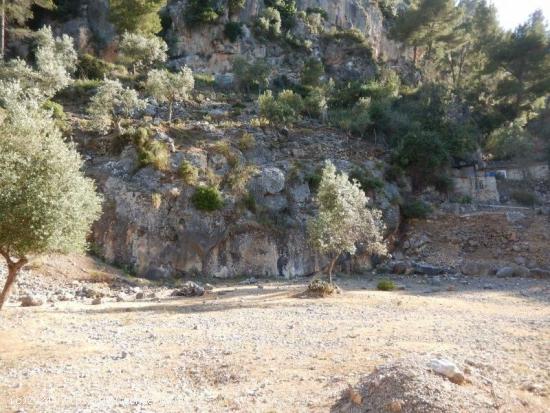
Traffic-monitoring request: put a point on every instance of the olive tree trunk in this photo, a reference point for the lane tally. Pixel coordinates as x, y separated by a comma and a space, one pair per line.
13, 270
331, 267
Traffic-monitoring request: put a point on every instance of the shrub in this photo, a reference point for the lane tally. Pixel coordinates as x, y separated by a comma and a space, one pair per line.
233, 30
286, 9
150, 152
246, 141
235, 6
199, 12
207, 198
204, 79
91, 67
189, 173
312, 72
524, 197
55, 108
317, 10
269, 23
285, 108
251, 77
509, 142
111, 104
315, 103
415, 209
385, 285
314, 180
367, 182
423, 155
465, 199
249, 202
321, 288
260, 122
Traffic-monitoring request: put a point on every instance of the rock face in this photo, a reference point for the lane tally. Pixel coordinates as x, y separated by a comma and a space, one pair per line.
172, 238
210, 50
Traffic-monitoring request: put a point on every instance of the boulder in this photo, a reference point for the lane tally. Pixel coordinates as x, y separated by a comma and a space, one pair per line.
505, 272
427, 269
189, 289
269, 181
475, 268
31, 301
448, 369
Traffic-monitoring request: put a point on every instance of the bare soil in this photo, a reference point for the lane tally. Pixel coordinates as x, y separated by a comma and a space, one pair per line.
265, 348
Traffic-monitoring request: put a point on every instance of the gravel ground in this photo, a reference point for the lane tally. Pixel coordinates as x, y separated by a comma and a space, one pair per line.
263, 348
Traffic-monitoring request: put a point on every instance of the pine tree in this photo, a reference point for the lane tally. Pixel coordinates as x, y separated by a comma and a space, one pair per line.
136, 15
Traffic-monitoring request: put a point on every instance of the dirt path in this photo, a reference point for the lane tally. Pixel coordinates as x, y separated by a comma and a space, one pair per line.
256, 349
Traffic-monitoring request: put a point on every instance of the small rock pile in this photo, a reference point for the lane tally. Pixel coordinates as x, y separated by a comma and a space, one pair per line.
415, 385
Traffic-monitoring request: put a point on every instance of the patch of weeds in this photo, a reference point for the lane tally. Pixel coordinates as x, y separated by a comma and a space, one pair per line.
237, 180
189, 173
246, 141
259, 122
385, 285
150, 152
249, 202
314, 180
156, 200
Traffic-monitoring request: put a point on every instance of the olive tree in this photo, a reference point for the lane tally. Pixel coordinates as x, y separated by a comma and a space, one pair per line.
170, 88
344, 218
142, 51
111, 104
55, 63
46, 203
55, 60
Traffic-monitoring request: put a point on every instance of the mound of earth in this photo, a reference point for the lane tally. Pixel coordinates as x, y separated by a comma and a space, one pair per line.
411, 386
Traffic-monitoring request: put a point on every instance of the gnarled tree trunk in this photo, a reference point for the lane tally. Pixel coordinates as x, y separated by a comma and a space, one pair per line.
13, 270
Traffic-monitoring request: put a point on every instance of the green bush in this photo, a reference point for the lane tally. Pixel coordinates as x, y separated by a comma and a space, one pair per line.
317, 10
509, 142
287, 10
91, 67
315, 102
249, 202
57, 110
233, 30
251, 77
415, 209
524, 197
283, 109
422, 154
314, 180
207, 198
366, 180
269, 24
385, 285
312, 71
200, 12
235, 6
189, 173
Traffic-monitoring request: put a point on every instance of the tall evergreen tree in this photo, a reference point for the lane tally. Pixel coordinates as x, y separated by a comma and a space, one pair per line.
137, 15
524, 58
